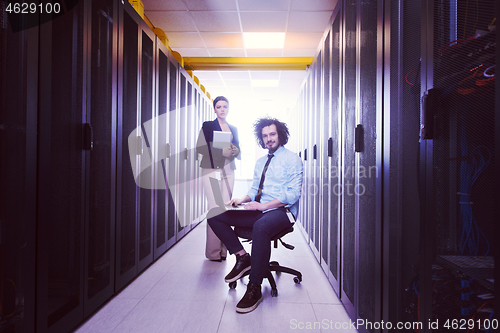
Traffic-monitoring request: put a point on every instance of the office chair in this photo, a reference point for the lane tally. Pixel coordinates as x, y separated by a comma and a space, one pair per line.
246, 233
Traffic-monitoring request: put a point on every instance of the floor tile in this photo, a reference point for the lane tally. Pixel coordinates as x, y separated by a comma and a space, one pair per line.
184, 292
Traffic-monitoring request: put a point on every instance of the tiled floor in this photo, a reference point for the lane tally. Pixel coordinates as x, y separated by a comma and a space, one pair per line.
184, 292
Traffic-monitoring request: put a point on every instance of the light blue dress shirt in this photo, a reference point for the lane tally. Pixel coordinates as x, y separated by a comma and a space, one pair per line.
283, 180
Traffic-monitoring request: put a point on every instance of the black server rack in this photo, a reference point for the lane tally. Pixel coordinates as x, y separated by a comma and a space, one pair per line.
100, 135
61, 183
334, 153
409, 92
147, 162
129, 133
89, 105
18, 176
458, 113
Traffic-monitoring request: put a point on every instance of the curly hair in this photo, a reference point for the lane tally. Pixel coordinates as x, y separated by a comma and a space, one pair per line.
281, 128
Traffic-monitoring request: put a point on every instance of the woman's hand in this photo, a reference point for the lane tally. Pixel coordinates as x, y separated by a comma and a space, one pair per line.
234, 150
227, 152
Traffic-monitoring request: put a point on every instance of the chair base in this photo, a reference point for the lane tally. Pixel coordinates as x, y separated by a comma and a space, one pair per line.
274, 266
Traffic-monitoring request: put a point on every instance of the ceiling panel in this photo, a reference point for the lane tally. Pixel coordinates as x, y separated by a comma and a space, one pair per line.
314, 5
222, 39
298, 52
208, 75
265, 52
265, 75
309, 21
172, 21
292, 75
263, 5
164, 5
303, 40
184, 40
235, 75
238, 83
217, 21
226, 52
217, 5
264, 21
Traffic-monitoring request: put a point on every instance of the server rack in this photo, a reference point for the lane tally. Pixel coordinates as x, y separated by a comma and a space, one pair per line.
61, 179
415, 160
100, 167
18, 162
458, 114
129, 134
76, 222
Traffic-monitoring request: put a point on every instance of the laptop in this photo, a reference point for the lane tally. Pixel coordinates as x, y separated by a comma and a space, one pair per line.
214, 183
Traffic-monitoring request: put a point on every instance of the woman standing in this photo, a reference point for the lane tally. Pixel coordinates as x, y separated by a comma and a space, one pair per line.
217, 163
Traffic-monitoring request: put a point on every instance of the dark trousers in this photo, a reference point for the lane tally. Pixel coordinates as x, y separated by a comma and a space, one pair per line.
265, 226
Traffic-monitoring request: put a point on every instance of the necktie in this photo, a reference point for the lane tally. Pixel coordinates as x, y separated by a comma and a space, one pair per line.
261, 185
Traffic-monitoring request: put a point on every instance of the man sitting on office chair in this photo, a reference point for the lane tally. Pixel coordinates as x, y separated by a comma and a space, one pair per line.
276, 188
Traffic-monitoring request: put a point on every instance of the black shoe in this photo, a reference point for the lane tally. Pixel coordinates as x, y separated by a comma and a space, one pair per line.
251, 300
241, 267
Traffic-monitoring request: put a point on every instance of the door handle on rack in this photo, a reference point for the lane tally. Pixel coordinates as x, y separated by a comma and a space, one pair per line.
428, 110
88, 137
359, 134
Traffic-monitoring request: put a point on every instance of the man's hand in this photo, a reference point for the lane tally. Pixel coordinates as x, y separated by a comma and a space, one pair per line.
235, 202
255, 205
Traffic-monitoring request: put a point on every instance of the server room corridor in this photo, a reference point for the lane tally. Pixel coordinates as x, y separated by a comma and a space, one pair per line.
184, 292
392, 108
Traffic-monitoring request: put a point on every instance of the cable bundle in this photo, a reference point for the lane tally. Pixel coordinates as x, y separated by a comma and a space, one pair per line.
472, 165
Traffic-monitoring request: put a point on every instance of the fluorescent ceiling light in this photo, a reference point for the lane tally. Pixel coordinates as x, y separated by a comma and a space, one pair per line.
264, 40
265, 83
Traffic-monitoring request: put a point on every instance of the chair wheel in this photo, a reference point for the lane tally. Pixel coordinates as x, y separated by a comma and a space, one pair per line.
297, 279
233, 284
274, 292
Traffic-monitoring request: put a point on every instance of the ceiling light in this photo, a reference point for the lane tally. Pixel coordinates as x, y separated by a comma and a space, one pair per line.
265, 83
264, 40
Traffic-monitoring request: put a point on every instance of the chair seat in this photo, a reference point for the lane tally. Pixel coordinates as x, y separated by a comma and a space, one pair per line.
246, 233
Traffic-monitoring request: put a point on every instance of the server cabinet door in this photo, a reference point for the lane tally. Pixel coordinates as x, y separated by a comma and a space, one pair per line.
162, 151
348, 164
147, 162
367, 188
191, 150
61, 191
130, 147
458, 115
315, 191
401, 118
18, 162
181, 189
101, 162
323, 154
309, 222
173, 132
196, 163
335, 149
